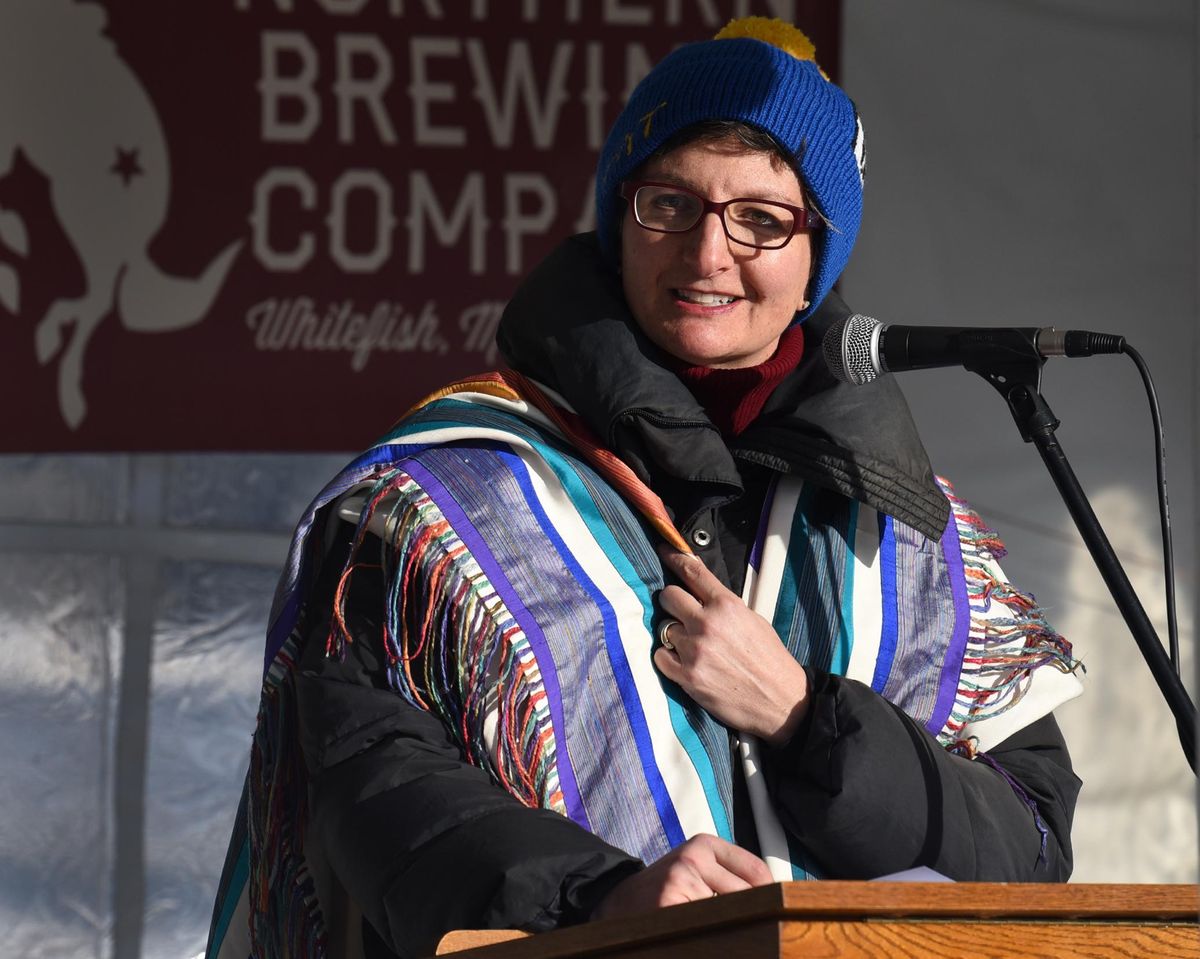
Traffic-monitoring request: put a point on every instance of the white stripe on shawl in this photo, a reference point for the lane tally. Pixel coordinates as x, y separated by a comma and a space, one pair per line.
867, 625
448, 435
772, 840
761, 593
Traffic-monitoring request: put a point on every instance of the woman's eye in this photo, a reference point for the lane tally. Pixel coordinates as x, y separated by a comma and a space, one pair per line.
671, 202
765, 222
757, 216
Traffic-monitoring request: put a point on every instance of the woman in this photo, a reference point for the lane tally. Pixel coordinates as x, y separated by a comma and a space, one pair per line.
663, 612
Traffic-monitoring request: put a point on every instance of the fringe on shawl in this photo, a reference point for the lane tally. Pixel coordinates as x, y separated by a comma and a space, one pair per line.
444, 651
286, 918
1009, 636
1004, 646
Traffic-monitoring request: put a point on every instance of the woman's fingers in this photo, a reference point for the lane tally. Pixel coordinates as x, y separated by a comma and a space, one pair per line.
705, 865
679, 603
725, 656
700, 868
695, 577
669, 664
743, 864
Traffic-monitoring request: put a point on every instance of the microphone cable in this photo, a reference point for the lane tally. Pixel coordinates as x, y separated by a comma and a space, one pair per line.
1164, 512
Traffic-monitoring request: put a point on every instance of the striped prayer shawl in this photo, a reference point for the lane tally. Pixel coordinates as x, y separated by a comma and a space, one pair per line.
522, 576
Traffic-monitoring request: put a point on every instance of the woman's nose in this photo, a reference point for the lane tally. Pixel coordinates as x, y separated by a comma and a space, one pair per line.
710, 245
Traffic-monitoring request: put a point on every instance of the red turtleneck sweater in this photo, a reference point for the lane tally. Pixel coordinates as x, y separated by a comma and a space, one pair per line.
734, 398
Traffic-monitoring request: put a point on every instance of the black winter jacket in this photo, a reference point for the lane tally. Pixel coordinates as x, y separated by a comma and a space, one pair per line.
424, 843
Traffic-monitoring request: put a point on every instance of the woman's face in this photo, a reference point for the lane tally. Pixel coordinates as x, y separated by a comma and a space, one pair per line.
698, 295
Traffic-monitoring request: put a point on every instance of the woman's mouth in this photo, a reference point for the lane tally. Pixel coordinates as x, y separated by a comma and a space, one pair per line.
703, 299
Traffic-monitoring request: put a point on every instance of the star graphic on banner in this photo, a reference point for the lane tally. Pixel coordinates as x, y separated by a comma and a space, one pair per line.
127, 165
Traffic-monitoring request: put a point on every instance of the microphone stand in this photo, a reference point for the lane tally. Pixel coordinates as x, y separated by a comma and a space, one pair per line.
1017, 376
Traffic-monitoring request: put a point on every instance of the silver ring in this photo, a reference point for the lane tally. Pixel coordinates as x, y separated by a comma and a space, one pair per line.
663, 629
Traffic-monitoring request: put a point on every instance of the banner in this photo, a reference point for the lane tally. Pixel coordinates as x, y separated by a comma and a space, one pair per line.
274, 224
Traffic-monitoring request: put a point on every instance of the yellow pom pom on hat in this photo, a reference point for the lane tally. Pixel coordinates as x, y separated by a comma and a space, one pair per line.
779, 33
763, 72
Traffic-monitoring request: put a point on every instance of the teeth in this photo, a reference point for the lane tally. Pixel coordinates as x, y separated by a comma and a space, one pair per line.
705, 299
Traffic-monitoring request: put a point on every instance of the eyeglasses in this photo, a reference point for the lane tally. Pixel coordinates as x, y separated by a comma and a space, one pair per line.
762, 224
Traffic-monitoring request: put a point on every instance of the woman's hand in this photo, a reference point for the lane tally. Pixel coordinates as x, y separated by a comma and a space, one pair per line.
727, 657
702, 867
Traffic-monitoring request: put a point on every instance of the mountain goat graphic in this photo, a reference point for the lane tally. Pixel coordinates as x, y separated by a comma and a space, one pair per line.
81, 117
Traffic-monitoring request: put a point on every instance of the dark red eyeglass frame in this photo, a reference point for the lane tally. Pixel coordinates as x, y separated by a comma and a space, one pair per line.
804, 218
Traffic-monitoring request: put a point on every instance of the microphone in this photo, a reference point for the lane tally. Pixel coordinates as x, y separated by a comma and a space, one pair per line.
858, 348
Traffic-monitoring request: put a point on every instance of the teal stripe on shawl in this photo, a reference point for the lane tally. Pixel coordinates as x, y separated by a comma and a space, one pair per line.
789, 586
802, 867
809, 612
814, 608
234, 891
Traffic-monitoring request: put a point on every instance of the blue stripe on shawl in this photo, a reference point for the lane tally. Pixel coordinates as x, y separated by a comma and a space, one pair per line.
844, 643
887, 590
612, 639
487, 562
953, 662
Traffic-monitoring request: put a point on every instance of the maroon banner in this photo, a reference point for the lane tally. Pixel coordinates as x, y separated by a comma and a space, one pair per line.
274, 224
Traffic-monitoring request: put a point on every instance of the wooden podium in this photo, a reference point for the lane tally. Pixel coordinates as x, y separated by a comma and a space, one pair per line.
880, 919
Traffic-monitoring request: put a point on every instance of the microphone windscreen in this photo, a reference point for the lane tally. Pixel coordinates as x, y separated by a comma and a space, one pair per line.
848, 348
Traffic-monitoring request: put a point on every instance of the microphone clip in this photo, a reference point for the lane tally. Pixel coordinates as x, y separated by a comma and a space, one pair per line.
1010, 360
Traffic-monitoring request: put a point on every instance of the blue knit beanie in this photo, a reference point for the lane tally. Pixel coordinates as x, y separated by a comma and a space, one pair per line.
759, 71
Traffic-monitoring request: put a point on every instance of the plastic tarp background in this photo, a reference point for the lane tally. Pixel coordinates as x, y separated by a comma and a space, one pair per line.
134, 590
1030, 164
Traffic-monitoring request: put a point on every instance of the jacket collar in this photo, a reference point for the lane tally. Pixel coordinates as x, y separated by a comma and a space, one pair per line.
568, 327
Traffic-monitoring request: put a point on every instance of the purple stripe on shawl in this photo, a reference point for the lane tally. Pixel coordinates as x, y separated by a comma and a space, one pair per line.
888, 628
953, 664
761, 536
487, 562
